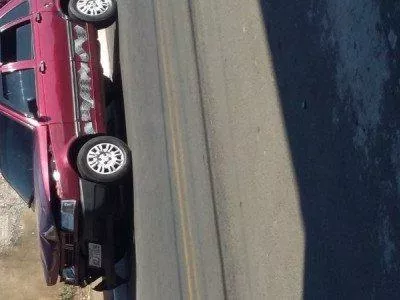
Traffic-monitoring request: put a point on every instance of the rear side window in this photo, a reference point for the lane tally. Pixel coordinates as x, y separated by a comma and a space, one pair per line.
17, 12
18, 91
16, 43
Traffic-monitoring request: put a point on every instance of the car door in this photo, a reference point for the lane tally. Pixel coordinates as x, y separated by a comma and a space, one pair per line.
24, 165
49, 243
52, 55
16, 160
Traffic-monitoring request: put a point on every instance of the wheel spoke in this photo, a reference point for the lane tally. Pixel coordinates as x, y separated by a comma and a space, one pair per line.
93, 164
98, 149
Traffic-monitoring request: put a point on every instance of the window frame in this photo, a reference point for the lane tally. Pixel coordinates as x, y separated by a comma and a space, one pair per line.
27, 114
16, 24
14, 5
23, 64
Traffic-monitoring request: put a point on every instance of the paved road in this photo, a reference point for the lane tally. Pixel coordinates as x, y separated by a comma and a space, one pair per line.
266, 147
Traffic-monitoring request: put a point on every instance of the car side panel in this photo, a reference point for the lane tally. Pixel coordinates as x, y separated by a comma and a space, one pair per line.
53, 65
45, 5
61, 136
70, 52
86, 57
98, 113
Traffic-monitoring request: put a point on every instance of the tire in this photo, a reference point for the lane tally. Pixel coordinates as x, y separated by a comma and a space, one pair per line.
80, 10
104, 159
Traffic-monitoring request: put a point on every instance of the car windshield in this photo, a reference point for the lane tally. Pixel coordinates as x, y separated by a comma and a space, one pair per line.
16, 156
18, 91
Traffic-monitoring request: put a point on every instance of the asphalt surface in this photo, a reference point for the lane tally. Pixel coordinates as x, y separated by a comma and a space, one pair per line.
265, 144
177, 250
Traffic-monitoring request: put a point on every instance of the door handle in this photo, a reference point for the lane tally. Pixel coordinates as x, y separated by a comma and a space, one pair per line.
38, 17
42, 67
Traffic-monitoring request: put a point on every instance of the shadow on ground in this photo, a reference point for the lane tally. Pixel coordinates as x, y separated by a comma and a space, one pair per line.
337, 73
114, 95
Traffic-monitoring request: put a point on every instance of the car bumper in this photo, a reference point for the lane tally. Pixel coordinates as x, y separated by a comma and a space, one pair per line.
89, 252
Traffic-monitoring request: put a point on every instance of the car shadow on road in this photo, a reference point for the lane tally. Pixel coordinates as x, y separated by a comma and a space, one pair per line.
126, 267
335, 66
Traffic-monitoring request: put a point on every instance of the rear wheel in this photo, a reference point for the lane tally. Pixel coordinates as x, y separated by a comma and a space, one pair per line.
102, 13
104, 159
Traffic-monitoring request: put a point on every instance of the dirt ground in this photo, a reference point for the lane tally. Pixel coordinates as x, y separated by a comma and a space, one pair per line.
20, 267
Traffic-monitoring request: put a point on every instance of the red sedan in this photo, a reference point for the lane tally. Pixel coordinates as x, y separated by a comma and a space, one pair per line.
54, 150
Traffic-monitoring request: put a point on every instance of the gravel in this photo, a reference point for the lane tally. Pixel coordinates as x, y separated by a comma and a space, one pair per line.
11, 209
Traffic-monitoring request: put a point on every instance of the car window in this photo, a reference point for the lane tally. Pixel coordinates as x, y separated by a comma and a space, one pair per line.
18, 91
16, 43
16, 156
20, 11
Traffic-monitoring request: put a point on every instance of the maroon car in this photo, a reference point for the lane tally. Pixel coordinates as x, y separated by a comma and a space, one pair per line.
54, 147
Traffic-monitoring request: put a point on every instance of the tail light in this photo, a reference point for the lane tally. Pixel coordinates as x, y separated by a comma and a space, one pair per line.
68, 208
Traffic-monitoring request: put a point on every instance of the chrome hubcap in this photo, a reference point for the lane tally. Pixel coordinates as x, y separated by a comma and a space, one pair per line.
93, 7
105, 158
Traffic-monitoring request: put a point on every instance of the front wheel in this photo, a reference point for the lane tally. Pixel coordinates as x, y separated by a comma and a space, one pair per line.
104, 159
101, 13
